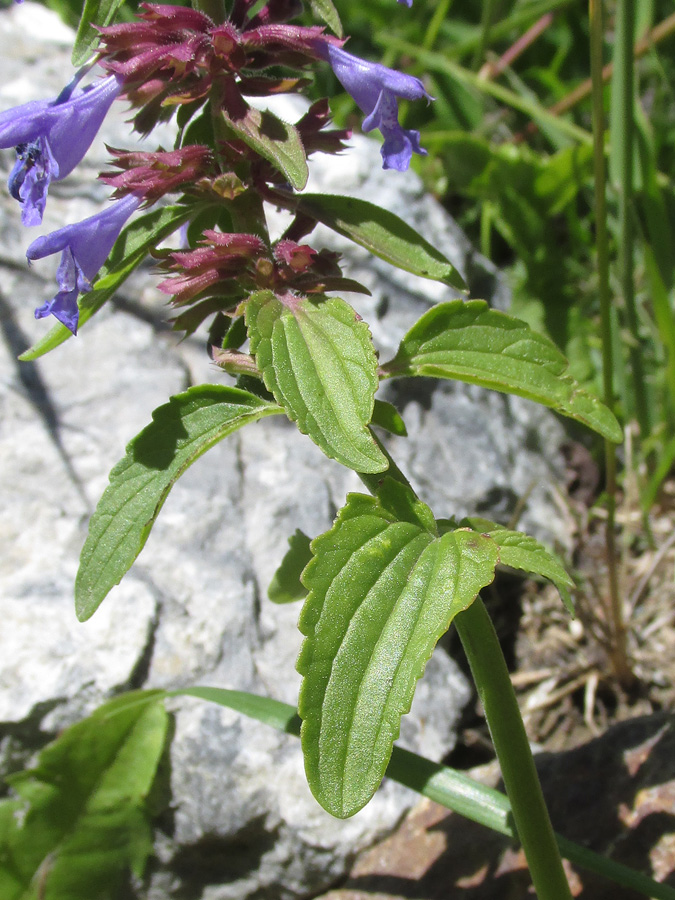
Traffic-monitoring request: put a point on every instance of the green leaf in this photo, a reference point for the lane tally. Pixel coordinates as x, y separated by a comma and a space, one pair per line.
385, 415
95, 12
325, 10
275, 140
520, 551
318, 361
131, 248
381, 593
180, 432
80, 824
382, 233
470, 342
286, 586
453, 790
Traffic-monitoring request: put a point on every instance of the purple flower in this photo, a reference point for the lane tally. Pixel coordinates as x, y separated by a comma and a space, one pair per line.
375, 88
407, 2
84, 248
51, 137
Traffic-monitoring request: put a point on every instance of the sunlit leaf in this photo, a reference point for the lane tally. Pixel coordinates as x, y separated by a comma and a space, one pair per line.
318, 361
180, 432
275, 140
382, 591
520, 551
468, 341
382, 233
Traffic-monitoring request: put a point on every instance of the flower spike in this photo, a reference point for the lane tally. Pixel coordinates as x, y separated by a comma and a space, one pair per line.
375, 88
84, 247
51, 137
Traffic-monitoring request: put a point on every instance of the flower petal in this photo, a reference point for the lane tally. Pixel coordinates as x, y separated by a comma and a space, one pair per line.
375, 88
63, 307
51, 138
85, 247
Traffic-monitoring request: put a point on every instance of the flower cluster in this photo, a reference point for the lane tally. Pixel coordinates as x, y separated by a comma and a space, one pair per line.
226, 268
229, 156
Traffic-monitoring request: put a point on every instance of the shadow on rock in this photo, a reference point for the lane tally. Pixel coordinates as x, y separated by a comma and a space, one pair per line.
614, 795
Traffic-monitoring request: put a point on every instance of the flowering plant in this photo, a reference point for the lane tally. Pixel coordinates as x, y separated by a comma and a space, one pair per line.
387, 580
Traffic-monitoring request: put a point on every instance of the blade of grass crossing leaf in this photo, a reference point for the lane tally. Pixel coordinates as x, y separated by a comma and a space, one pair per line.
271, 712
451, 789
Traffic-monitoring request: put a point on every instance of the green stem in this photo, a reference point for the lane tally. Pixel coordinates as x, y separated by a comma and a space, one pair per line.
508, 734
622, 132
617, 649
521, 781
487, 16
437, 20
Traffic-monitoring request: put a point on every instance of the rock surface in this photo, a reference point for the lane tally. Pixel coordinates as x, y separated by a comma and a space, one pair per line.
194, 608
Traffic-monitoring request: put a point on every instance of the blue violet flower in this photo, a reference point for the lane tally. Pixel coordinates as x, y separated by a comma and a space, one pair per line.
51, 137
84, 248
375, 88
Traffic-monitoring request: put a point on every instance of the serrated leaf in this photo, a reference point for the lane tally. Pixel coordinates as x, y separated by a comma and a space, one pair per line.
385, 415
318, 361
131, 248
325, 11
286, 586
382, 233
95, 12
180, 432
80, 824
277, 141
468, 341
520, 551
381, 593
